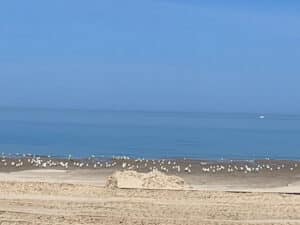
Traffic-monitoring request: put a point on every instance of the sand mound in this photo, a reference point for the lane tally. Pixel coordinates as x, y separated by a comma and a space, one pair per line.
151, 180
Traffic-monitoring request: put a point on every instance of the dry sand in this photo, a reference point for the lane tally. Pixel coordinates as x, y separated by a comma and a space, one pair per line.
78, 197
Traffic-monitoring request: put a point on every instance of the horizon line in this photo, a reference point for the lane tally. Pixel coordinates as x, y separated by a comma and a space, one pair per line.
106, 109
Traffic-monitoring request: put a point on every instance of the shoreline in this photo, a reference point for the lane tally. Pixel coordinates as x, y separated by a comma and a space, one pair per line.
244, 176
38, 160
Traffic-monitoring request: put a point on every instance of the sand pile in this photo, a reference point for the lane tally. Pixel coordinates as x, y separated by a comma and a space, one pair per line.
151, 180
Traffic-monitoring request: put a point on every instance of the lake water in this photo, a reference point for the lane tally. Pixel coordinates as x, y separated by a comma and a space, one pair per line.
149, 134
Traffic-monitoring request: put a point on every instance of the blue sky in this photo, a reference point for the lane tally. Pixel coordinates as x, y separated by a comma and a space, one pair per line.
240, 56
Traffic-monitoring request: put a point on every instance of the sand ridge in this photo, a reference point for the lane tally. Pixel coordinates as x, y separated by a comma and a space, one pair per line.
151, 180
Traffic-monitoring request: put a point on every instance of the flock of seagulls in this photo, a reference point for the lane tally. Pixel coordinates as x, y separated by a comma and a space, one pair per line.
31, 162
146, 165
174, 166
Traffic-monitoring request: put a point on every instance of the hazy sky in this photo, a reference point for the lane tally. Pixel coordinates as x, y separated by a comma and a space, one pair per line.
160, 55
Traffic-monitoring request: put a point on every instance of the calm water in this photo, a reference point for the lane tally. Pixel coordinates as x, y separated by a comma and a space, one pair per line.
148, 134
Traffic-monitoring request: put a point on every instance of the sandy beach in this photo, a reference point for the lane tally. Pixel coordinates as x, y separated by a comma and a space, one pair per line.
156, 112
79, 196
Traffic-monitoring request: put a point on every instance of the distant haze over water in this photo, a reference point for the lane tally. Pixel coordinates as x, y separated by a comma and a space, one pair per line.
83, 133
